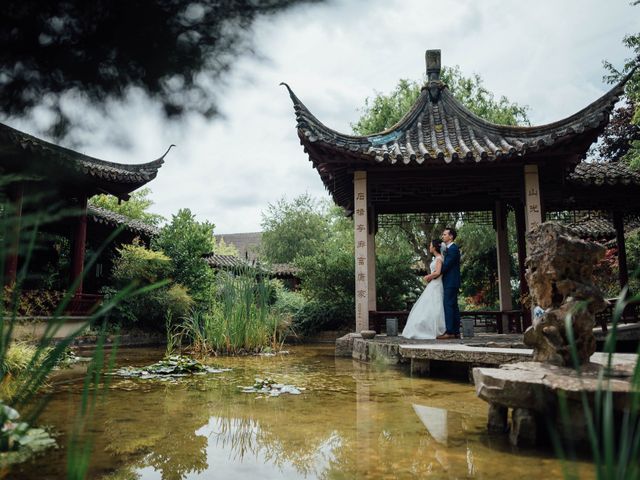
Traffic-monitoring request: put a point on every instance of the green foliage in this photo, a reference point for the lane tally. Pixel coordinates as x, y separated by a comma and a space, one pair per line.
479, 271
621, 138
137, 207
395, 279
186, 241
34, 303
223, 248
293, 228
137, 265
633, 260
385, 110
238, 320
328, 280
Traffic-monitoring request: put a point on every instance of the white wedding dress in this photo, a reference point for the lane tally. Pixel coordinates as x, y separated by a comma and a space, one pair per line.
426, 319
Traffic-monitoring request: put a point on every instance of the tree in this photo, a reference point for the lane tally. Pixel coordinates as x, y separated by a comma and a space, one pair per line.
173, 50
137, 207
293, 228
384, 111
620, 140
186, 241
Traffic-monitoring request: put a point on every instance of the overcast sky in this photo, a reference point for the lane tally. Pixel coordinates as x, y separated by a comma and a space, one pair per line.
545, 54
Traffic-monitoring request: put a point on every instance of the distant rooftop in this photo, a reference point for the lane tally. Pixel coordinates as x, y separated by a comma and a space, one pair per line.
247, 244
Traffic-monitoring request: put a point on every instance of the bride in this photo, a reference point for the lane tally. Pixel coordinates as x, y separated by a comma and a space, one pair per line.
426, 319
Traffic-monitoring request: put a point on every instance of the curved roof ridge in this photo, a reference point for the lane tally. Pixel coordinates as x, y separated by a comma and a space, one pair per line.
608, 99
25, 141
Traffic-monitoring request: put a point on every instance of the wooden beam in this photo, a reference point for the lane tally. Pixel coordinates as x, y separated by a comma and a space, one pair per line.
15, 197
504, 266
79, 244
522, 255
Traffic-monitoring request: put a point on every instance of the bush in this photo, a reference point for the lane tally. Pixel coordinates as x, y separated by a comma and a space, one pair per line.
138, 265
135, 263
185, 241
33, 303
316, 316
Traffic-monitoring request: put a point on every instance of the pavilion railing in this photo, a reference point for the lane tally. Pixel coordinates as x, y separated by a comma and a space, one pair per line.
83, 304
631, 314
489, 321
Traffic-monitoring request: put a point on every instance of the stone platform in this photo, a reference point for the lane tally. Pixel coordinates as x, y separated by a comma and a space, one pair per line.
399, 350
531, 390
482, 350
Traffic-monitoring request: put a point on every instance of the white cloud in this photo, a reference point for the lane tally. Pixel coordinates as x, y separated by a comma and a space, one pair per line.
545, 54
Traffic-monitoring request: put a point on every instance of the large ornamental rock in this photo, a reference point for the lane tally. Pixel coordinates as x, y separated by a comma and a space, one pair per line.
560, 277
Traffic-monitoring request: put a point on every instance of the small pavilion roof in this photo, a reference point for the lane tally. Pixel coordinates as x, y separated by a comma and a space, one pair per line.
116, 178
409, 165
115, 220
604, 174
440, 130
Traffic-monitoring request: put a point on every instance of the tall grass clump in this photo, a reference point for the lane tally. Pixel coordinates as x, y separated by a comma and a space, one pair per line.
239, 317
613, 433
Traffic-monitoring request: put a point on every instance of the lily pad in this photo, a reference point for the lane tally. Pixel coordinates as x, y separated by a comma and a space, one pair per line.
269, 387
175, 366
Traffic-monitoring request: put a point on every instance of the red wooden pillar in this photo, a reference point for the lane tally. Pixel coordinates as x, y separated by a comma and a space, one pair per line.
15, 195
618, 223
79, 242
522, 255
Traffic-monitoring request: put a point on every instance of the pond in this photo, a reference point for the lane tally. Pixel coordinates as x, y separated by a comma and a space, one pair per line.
351, 421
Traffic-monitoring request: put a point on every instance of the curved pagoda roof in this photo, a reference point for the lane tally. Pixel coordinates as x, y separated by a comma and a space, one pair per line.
440, 130
20, 151
410, 164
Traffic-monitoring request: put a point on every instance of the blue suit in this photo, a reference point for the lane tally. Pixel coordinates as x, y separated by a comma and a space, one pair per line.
451, 285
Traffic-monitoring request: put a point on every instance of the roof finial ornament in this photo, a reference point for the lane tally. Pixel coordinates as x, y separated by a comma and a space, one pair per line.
434, 83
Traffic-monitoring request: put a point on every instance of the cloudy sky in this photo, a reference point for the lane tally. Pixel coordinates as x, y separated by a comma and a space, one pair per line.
546, 54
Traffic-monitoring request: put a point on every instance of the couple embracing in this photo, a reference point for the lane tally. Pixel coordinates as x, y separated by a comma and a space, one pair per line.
435, 314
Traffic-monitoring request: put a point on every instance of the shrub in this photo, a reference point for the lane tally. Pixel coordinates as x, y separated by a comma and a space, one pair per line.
185, 241
138, 264
143, 267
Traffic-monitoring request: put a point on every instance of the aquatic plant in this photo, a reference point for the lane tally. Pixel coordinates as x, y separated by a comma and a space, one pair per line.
171, 367
614, 439
239, 318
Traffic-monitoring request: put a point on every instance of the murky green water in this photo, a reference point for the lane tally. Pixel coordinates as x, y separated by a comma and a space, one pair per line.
352, 421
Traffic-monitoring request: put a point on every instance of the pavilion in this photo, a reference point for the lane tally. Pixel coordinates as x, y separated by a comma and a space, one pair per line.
441, 157
44, 175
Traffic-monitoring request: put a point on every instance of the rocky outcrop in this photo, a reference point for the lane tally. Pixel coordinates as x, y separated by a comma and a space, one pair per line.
560, 277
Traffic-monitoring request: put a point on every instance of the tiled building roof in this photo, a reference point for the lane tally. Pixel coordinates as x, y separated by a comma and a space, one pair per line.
599, 228
603, 174
439, 129
18, 146
112, 219
247, 244
216, 260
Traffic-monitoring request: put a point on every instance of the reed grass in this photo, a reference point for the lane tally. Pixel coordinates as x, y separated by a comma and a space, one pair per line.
238, 320
614, 440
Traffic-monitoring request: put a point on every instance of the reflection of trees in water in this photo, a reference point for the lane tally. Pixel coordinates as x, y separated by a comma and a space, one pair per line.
248, 437
162, 434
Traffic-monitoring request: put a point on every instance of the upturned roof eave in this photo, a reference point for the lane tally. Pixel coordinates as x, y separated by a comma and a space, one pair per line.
496, 139
112, 172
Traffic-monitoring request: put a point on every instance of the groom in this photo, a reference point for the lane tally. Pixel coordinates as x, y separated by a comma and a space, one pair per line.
451, 285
